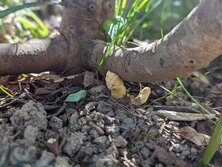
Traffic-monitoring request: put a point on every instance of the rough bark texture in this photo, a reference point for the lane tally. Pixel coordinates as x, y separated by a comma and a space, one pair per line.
189, 46
36, 56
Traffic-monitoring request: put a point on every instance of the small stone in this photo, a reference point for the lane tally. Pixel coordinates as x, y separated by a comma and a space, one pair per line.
31, 134
150, 146
104, 107
127, 124
98, 129
88, 119
90, 106
119, 142
85, 128
111, 114
112, 150
97, 90
74, 143
22, 154
26, 165
108, 120
139, 145
159, 165
90, 149
193, 150
145, 152
107, 161
50, 134
73, 122
101, 141
56, 123
32, 114
185, 152
45, 159
82, 121
62, 162
94, 133
121, 115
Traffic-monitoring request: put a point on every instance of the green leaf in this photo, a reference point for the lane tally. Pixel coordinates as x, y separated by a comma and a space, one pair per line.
107, 24
76, 97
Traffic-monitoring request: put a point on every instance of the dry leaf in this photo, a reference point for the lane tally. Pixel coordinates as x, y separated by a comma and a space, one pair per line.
115, 85
88, 79
192, 135
216, 91
143, 95
183, 116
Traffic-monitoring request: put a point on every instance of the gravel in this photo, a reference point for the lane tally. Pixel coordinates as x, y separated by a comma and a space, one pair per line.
30, 114
97, 134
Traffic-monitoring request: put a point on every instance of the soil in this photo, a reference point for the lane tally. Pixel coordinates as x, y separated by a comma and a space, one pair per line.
39, 129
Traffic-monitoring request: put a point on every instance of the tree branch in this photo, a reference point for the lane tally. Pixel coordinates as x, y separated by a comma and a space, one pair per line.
38, 55
188, 47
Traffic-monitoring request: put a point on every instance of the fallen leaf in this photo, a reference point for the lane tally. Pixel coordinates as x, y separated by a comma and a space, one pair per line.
115, 85
192, 135
88, 79
55, 144
216, 91
143, 95
75, 97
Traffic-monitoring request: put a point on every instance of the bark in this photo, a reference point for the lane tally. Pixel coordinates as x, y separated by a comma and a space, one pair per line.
188, 47
64, 52
36, 56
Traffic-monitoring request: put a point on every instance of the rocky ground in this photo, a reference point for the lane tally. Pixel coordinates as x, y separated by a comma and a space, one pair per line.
39, 129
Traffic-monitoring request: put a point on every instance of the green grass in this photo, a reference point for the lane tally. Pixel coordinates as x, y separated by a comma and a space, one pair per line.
214, 143
27, 22
127, 21
5, 91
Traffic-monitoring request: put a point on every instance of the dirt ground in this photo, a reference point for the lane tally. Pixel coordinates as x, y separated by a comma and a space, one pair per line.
39, 129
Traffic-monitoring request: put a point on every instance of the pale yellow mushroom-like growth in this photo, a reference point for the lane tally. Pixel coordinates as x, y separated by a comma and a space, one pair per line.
115, 85
144, 95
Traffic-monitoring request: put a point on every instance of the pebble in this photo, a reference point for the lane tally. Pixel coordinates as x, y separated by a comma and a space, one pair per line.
98, 129
22, 154
56, 123
94, 133
119, 142
107, 161
100, 140
145, 152
139, 145
90, 106
45, 159
73, 122
127, 124
31, 134
74, 143
32, 114
62, 162
98, 90
104, 107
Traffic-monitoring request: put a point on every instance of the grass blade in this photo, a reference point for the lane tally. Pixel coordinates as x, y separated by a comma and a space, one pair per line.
214, 143
13, 9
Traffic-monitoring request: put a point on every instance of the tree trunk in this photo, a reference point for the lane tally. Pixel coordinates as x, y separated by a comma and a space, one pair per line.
189, 46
